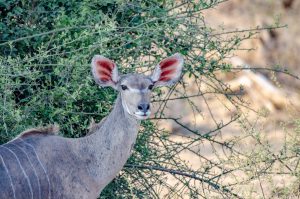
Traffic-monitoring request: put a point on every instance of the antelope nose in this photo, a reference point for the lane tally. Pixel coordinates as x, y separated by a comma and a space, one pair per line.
144, 107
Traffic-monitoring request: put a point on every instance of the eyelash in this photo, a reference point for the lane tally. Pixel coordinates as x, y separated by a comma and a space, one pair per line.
150, 87
124, 87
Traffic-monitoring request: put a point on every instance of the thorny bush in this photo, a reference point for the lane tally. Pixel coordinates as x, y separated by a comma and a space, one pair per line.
45, 51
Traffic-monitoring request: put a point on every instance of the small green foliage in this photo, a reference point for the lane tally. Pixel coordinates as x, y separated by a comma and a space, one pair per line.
45, 52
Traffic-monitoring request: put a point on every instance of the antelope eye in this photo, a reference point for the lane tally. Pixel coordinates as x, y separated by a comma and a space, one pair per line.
150, 87
124, 87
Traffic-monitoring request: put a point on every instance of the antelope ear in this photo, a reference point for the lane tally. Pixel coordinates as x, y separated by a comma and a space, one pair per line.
168, 71
105, 71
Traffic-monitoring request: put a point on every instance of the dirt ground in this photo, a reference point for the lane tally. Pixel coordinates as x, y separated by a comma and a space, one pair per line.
275, 47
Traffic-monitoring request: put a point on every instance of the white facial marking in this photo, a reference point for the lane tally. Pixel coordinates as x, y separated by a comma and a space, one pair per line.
138, 114
134, 90
125, 106
141, 115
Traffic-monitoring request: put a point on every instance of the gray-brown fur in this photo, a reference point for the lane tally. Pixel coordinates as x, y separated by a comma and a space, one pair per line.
68, 168
49, 130
95, 126
39, 164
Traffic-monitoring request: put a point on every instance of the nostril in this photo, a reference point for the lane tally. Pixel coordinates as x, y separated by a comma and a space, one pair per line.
144, 107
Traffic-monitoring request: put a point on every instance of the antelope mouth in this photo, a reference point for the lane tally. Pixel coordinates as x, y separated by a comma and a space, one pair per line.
141, 115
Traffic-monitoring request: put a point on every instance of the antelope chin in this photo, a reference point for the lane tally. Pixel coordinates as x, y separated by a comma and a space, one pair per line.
141, 115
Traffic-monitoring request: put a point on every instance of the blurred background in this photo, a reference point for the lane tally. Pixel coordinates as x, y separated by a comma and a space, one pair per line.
270, 88
229, 129
271, 83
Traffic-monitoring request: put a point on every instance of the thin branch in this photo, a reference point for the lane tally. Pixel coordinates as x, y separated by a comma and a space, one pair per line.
193, 176
249, 30
268, 69
43, 33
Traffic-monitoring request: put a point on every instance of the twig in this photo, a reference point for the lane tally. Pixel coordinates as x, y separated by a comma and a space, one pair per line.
249, 30
176, 172
269, 69
43, 33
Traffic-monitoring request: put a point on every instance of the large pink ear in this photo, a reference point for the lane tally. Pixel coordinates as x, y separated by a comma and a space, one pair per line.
105, 71
168, 71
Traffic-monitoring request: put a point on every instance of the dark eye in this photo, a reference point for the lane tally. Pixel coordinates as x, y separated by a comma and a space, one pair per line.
124, 87
150, 87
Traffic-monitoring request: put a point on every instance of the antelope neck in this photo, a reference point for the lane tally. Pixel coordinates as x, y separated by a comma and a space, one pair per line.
116, 121
109, 147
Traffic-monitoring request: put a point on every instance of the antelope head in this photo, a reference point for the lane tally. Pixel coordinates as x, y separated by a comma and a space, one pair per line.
135, 89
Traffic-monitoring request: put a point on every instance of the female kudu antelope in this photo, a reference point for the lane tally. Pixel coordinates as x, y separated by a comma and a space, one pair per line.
38, 164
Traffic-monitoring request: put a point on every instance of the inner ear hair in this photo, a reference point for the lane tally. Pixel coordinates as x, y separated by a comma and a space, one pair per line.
104, 71
168, 71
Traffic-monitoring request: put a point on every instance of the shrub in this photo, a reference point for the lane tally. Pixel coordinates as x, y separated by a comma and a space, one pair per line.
46, 49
